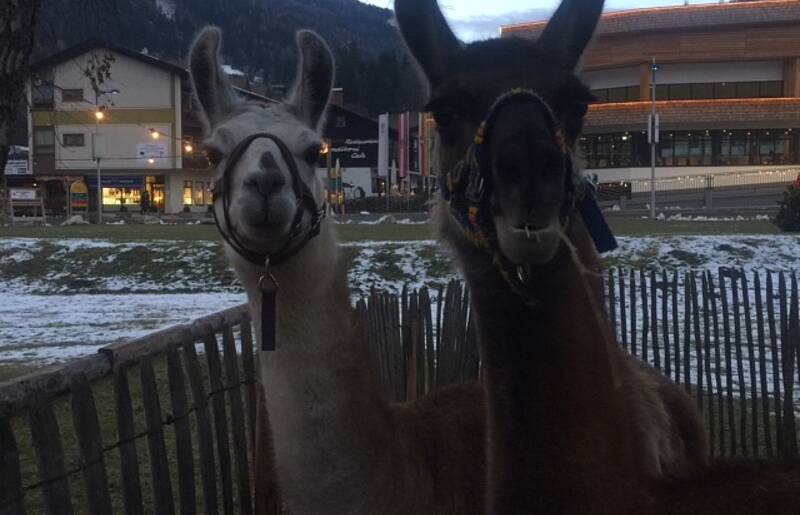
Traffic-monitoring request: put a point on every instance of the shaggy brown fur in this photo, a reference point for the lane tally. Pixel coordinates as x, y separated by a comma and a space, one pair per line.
566, 403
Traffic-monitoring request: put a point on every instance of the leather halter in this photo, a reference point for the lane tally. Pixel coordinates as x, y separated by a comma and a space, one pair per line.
468, 186
305, 202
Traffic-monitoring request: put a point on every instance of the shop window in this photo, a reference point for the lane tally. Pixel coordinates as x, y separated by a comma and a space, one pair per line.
199, 193
72, 95
121, 196
633, 93
187, 193
73, 140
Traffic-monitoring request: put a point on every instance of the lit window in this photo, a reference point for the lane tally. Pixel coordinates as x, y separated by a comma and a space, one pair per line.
121, 196
199, 193
187, 193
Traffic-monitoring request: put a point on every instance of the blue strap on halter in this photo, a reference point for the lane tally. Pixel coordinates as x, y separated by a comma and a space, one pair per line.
595, 222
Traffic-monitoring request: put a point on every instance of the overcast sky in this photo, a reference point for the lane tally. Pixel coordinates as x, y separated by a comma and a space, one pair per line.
478, 19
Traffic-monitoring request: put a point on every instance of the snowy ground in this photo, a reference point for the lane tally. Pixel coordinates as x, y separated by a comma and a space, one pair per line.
63, 298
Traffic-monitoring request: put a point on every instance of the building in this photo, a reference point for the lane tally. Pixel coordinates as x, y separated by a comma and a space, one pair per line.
140, 130
727, 89
133, 128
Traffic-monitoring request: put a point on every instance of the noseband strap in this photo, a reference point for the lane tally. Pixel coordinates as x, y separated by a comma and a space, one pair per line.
305, 202
468, 185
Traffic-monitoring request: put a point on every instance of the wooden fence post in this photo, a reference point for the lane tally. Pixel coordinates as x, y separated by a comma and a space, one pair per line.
129, 460
12, 501
90, 445
46, 439
762, 363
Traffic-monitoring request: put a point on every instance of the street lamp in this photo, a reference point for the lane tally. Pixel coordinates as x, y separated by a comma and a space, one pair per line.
98, 116
653, 137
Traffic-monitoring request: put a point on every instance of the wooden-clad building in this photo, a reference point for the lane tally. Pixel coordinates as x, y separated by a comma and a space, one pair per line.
727, 90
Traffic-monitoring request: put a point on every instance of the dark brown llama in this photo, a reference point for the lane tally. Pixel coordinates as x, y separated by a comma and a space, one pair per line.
573, 419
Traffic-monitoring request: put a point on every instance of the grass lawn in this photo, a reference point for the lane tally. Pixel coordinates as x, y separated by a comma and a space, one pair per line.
365, 232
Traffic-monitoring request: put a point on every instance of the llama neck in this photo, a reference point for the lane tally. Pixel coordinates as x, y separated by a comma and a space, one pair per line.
553, 402
326, 412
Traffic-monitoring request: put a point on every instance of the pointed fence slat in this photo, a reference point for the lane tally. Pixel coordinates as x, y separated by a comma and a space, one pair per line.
129, 460
220, 421
623, 315
183, 432
249, 371
46, 439
159, 465
205, 438
12, 501
90, 446
237, 421
776, 368
762, 364
752, 359
788, 318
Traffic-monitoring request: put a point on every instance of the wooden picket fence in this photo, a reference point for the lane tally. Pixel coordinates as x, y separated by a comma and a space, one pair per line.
116, 401
731, 337
167, 422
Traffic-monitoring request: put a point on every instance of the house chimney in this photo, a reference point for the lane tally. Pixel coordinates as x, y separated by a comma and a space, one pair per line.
337, 97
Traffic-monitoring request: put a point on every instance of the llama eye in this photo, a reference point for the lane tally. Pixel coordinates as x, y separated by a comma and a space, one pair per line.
312, 153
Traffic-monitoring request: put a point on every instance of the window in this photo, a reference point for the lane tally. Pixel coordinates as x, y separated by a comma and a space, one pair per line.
72, 95
73, 140
44, 140
121, 196
772, 89
341, 121
618, 94
702, 91
747, 90
199, 193
187, 193
725, 90
42, 89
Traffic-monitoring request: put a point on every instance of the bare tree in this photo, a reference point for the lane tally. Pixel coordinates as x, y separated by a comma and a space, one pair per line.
17, 29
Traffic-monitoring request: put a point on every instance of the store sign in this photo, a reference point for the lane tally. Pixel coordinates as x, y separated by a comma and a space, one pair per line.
115, 181
145, 151
17, 167
79, 196
22, 193
356, 152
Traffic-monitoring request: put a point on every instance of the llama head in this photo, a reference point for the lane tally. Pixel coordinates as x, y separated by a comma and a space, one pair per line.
523, 154
261, 197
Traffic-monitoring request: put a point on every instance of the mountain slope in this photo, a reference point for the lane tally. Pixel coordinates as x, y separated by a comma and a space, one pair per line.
373, 67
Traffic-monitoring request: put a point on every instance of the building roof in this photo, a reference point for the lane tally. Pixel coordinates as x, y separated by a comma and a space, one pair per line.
758, 12
90, 44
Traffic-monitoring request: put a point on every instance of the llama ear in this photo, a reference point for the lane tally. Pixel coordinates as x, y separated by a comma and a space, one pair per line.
571, 28
312, 88
428, 37
213, 91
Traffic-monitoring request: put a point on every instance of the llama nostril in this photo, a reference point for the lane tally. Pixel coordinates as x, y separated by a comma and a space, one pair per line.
267, 182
